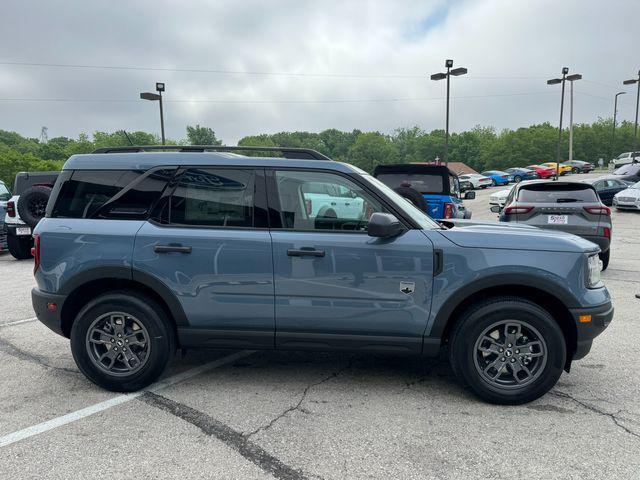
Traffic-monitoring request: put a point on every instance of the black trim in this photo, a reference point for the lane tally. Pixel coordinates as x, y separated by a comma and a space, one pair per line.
287, 152
52, 319
189, 337
438, 261
97, 273
346, 342
169, 297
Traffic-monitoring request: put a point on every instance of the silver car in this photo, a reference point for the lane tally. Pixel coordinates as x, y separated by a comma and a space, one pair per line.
570, 207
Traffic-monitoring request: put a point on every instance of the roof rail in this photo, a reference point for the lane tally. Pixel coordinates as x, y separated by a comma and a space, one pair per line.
287, 152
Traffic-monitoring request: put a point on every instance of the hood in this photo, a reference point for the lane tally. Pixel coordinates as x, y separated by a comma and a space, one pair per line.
629, 192
514, 237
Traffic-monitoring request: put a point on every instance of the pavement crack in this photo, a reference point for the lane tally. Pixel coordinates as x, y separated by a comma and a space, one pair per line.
16, 352
236, 440
591, 408
298, 405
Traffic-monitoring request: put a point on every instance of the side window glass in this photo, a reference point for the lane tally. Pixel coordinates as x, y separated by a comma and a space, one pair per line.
211, 197
342, 205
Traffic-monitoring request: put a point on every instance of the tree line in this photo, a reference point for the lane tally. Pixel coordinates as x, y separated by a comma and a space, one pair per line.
481, 148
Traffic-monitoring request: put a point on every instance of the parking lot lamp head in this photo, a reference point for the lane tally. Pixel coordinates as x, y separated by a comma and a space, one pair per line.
153, 97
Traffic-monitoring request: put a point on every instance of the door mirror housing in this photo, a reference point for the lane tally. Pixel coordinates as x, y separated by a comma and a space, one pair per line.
470, 195
496, 208
384, 225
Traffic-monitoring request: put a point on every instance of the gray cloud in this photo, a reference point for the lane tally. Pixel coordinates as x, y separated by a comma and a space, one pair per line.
493, 38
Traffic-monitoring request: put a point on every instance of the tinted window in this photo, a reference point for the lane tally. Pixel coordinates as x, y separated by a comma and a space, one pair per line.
420, 182
550, 193
302, 210
85, 191
214, 197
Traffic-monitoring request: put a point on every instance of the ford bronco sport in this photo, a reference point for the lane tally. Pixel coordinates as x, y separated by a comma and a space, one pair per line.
145, 250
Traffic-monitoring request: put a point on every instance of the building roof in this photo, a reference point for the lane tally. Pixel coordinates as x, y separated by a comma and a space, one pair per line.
460, 168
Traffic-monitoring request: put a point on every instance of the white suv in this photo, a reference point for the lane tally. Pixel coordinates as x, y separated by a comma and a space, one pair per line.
626, 158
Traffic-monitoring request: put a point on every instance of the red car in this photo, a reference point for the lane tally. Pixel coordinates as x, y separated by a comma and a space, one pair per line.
542, 171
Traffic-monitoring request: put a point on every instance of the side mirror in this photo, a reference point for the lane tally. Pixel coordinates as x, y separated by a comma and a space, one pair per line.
384, 225
496, 208
470, 195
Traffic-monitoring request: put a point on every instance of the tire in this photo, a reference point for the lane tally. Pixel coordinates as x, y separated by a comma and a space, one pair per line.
413, 196
19, 247
604, 257
32, 204
545, 365
517, 179
575, 170
131, 308
493, 182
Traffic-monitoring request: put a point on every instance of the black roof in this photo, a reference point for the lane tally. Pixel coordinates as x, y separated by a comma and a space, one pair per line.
413, 168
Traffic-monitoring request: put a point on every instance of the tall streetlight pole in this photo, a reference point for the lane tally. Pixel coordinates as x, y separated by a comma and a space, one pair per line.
158, 97
635, 128
613, 132
571, 113
555, 81
441, 76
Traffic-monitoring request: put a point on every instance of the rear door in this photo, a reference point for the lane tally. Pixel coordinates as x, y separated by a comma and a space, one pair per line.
336, 287
208, 242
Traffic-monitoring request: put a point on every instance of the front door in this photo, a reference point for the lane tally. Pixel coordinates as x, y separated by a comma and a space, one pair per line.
209, 244
335, 286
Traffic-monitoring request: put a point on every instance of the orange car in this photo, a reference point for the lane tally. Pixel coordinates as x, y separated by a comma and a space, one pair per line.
564, 169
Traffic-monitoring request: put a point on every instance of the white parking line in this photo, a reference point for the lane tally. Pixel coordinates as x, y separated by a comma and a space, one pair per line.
120, 399
17, 322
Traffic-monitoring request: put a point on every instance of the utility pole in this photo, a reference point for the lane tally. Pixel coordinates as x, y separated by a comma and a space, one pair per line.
571, 78
613, 133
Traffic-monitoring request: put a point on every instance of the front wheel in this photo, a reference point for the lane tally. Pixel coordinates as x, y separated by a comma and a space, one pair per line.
19, 246
122, 341
517, 179
575, 170
508, 350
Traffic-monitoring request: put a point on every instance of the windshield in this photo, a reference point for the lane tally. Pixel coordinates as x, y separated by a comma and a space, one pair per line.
636, 186
405, 205
627, 169
4, 193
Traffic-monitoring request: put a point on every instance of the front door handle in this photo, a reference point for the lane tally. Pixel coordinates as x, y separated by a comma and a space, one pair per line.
305, 252
171, 248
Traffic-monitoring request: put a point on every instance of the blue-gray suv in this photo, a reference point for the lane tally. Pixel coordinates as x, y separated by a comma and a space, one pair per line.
147, 250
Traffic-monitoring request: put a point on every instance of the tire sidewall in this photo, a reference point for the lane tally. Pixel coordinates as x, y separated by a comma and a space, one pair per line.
161, 338
23, 203
464, 350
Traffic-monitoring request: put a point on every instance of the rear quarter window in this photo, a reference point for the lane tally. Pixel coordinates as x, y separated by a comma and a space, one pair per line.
551, 193
108, 193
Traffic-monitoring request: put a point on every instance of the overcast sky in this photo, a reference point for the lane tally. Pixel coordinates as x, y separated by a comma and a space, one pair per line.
317, 65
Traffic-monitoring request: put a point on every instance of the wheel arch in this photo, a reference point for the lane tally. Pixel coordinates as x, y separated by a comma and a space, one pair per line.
95, 283
554, 302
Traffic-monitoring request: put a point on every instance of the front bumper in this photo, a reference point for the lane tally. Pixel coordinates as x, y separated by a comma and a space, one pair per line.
600, 318
41, 302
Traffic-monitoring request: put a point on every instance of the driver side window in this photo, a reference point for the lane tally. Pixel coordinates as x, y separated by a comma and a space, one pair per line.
323, 201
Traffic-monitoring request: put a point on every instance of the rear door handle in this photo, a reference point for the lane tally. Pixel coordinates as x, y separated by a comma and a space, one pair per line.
305, 252
171, 248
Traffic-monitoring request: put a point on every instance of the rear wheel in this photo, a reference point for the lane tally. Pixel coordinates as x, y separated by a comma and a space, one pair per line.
575, 170
604, 257
507, 350
19, 246
122, 341
517, 179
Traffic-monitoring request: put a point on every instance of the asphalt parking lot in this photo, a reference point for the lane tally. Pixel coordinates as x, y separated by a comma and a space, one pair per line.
227, 414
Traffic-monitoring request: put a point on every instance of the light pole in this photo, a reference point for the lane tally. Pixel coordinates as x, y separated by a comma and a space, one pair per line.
635, 128
555, 81
571, 78
441, 76
153, 97
613, 133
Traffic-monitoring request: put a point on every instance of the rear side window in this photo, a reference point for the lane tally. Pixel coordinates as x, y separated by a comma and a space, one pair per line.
420, 182
214, 197
122, 194
551, 193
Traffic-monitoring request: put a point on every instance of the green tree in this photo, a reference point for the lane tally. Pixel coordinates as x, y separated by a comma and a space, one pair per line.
202, 136
371, 149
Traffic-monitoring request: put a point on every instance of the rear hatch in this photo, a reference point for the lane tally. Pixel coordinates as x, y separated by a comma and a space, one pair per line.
568, 207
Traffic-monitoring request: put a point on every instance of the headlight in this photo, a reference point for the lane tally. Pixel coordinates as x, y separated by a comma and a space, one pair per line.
594, 269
